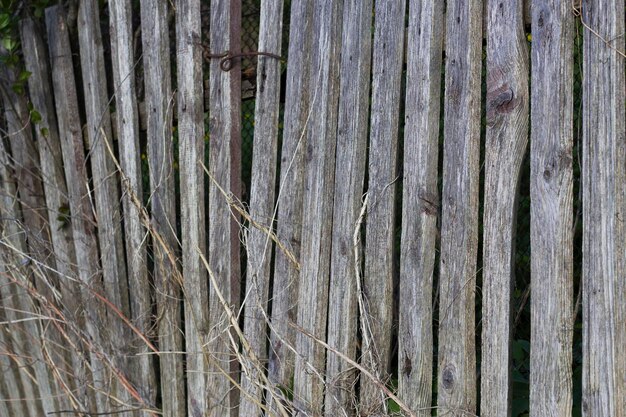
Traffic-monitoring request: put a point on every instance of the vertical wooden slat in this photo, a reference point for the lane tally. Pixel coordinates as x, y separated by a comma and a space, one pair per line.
389, 18
506, 140
604, 287
24, 160
141, 371
16, 383
224, 166
316, 225
81, 209
420, 204
105, 187
351, 155
159, 104
551, 193
264, 171
289, 198
53, 179
191, 154
459, 231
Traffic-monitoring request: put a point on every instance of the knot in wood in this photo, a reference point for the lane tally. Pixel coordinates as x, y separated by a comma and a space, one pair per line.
447, 377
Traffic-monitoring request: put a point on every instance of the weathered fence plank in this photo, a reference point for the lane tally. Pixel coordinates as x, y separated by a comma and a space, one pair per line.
506, 140
289, 199
80, 206
141, 370
15, 339
420, 205
225, 174
459, 230
262, 190
316, 225
29, 205
105, 187
191, 154
354, 93
604, 239
159, 102
53, 180
389, 18
551, 193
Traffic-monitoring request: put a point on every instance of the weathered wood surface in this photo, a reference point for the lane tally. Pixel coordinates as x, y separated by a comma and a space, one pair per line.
459, 231
603, 177
191, 154
319, 176
506, 140
420, 204
380, 225
551, 192
352, 125
105, 189
262, 193
53, 180
29, 218
289, 199
81, 208
225, 174
17, 385
141, 370
159, 101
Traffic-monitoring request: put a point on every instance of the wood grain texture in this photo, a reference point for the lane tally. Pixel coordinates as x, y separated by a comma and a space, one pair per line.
54, 186
105, 180
388, 46
17, 337
81, 207
420, 204
459, 231
141, 370
262, 193
505, 147
31, 220
225, 173
289, 198
159, 101
316, 225
603, 177
191, 154
351, 153
551, 192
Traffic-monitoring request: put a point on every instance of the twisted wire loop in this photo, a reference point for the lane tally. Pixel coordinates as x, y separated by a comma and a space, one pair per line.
226, 58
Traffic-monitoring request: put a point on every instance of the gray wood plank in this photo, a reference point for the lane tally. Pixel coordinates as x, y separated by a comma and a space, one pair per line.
159, 101
262, 193
105, 188
505, 147
603, 177
389, 24
82, 221
289, 199
551, 193
420, 205
141, 370
456, 392
225, 172
319, 175
53, 180
352, 126
191, 154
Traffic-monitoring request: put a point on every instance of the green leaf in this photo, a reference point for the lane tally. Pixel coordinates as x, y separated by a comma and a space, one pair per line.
8, 43
24, 76
44, 132
5, 19
35, 116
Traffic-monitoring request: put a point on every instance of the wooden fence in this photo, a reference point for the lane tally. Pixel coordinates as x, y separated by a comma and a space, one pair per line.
370, 268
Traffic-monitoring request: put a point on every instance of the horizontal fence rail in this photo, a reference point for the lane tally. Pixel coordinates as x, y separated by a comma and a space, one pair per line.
353, 208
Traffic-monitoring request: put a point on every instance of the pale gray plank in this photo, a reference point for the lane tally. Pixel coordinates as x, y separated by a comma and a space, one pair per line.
506, 141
